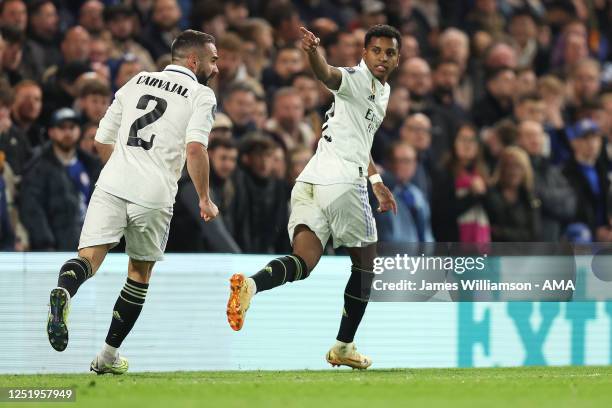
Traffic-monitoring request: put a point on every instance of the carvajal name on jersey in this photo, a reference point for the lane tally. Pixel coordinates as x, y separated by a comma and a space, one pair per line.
163, 85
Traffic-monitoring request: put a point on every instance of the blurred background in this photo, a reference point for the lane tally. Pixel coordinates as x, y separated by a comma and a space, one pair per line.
498, 126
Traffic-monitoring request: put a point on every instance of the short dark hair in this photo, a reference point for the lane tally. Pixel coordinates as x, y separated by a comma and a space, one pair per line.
237, 87
94, 87
223, 142
189, 39
383, 30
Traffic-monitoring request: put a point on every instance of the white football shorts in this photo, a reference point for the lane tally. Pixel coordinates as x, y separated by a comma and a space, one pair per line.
109, 218
341, 211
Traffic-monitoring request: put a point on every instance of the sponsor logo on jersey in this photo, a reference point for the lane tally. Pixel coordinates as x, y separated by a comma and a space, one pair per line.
117, 316
350, 70
327, 138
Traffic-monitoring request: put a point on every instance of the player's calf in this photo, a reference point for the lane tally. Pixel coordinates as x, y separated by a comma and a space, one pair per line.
73, 273
279, 271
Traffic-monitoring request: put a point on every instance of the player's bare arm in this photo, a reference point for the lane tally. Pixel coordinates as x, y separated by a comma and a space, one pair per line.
385, 198
104, 150
330, 76
199, 169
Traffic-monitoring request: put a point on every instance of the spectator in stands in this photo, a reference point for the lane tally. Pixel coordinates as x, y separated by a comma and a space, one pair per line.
485, 16
308, 87
409, 19
584, 84
496, 139
257, 34
550, 185
530, 107
446, 77
497, 102
75, 45
239, 105
91, 17
260, 113
119, 19
526, 82
416, 131
14, 13
523, 28
13, 141
389, 130
286, 23
13, 70
231, 64
588, 178
163, 28
458, 213
188, 232
513, 210
454, 45
298, 159
288, 61
42, 47
222, 127
61, 88
415, 75
128, 68
87, 142
7, 235
26, 110
93, 101
56, 190
341, 49
287, 122
279, 162
412, 223
266, 203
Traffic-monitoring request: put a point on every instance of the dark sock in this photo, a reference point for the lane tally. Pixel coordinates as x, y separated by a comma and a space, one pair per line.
73, 273
280, 270
126, 311
356, 296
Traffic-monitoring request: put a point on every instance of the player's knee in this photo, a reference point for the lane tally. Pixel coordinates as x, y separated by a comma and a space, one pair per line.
140, 271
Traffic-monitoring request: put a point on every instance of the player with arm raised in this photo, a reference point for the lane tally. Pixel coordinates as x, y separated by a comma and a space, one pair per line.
330, 196
156, 122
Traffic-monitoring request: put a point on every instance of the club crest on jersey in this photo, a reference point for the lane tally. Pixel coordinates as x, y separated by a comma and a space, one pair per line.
163, 85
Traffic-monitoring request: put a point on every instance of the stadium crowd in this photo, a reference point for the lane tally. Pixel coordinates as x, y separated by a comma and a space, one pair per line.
498, 128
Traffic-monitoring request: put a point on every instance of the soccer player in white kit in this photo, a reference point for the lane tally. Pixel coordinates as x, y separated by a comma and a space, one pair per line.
330, 196
157, 121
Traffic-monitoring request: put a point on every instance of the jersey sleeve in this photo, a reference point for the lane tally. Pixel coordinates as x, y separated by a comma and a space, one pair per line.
108, 129
202, 118
351, 80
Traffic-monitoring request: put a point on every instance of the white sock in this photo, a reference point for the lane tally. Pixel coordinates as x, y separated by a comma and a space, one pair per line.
108, 353
252, 283
341, 346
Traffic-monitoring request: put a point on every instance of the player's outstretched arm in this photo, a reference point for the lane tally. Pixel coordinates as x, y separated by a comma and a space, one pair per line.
199, 169
330, 76
385, 198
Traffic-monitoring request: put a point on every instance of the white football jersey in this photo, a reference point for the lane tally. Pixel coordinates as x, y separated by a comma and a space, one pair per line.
343, 153
151, 120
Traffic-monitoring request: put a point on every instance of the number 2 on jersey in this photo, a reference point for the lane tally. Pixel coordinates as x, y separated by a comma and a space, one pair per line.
146, 120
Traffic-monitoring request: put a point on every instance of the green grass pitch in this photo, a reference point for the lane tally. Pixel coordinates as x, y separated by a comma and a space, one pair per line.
541, 387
